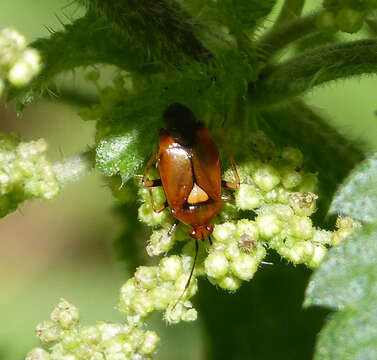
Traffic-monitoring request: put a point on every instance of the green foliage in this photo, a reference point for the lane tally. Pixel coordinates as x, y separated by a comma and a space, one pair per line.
206, 56
347, 280
244, 14
357, 196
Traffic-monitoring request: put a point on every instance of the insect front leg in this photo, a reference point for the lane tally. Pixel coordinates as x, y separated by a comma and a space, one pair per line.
229, 184
151, 184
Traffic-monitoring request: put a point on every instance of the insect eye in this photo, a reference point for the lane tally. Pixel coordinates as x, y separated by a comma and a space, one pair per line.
209, 228
193, 233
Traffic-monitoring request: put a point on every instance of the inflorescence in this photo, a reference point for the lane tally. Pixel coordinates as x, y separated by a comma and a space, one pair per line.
25, 173
67, 340
270, 210
18, 63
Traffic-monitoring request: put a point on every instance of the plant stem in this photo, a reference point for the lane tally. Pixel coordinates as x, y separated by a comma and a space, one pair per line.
280, 36
74, 168
291, 9
296, 76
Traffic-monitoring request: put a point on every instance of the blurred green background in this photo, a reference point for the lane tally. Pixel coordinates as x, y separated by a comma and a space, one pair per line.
63, 248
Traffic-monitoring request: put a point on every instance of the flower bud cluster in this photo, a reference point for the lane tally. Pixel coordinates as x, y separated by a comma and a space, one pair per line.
345, 15
279, 198
18, 63
67, 340
24, 173
235, 254
164, 288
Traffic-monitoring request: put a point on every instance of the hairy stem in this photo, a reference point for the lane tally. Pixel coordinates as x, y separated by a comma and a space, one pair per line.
280, 36
162, 26
291, 9
294, 77
74, 168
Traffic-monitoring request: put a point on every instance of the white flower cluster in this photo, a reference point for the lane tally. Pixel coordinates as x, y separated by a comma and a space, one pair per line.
103, 341
164, 288
25, 173
18, 63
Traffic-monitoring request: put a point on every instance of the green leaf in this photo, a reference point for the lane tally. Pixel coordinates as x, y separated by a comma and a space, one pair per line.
244, 14
350, 334
347, 280
125, 150
357, 196
349, 272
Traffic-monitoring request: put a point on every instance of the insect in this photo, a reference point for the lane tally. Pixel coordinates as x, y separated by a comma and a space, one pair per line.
190, 174
189, 166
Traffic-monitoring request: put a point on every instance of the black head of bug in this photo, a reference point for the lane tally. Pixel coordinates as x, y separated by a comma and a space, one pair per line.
180, 123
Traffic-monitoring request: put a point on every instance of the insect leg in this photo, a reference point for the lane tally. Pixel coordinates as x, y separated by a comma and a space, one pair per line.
173, 227
147, 182
228, 184
152, 183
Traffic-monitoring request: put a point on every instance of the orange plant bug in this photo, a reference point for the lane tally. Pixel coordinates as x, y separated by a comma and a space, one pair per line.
189, 166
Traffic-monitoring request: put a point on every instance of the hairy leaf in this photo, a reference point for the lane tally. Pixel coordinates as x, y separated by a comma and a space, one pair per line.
347, 281
357, 196
244, 14
125, 149
350, 334
349, 272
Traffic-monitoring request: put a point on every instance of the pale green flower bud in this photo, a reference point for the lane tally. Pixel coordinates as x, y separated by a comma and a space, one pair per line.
90, 334
108, 330
33, 59
266, 177
303, 204
173, 313
301, 252
136, 337
127, 293
170, 268
284, 212
20, 74
151, 218
47, 332
322, 237
216, 265
244, 267
233, 251
291, 177
66, 314
160, 242
230, 283
224, 232
37, 354
189, 315
70, 339
268, 225
162, 296
146, 276
116, 345
318, 255
292, 155
181, 284
150, 342
301, 227
248, 228
142, 304
57, 352
248, 197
